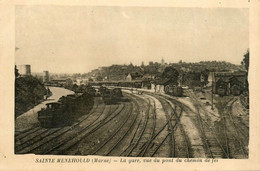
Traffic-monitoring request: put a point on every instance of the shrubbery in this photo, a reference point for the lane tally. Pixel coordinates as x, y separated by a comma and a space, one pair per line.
29, 91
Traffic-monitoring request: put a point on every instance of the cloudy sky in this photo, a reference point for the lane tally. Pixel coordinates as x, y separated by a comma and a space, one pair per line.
78, 39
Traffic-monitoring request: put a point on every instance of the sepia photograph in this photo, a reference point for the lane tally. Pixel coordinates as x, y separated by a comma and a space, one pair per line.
132, 81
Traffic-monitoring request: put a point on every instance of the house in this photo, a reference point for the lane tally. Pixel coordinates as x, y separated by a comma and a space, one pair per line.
229, 83
158, 85
134, 76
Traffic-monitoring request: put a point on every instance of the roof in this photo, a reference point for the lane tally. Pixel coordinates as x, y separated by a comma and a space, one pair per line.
231, 79
230, 74
225, 79
161, 81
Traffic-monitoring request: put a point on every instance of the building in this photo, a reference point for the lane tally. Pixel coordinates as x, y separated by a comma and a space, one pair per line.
148, 77
46, 76
128, 77
162, 62
229, 83
62, 82
134, 76
24, 70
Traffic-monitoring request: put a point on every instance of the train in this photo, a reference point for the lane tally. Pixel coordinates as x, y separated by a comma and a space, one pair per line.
173, 90
110, 96
91, 90
65, 111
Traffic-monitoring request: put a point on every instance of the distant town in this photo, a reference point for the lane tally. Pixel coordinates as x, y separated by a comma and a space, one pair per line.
187, 74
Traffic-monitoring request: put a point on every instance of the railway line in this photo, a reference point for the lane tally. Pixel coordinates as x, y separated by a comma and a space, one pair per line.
238, 149
231, 145
30, 131
159, 134
64, 146
32, 144
94, 144
140, 125
178, 138
115, 138
214, 147
138, 134
94, 137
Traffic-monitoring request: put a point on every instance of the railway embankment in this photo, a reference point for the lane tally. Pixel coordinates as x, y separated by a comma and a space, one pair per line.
29, 92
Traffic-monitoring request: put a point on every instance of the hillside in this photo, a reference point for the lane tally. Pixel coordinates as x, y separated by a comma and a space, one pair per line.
29, 91
119, 72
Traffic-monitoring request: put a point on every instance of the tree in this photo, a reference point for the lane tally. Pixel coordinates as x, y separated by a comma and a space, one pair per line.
16, 72
205, 74
171, 74
245, 61
99, 78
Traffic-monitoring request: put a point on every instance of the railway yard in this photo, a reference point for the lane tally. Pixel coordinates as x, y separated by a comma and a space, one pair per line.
148, 125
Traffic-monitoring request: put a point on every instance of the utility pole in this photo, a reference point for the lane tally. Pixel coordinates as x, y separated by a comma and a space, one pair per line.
213, 84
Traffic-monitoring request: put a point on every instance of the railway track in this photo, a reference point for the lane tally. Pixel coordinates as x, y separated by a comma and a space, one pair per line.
111, 142
26, 132
152, 116
135, 140
158, 134
63, 147
178, 137
34, 144
32, 135
158, 137
238, 149
130, 132
89, 144
212, 143
123, 130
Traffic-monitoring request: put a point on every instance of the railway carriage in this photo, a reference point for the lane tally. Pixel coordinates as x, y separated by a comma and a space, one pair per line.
117, 92
91, 90
65, 111
110, 96
107, 96
174, 90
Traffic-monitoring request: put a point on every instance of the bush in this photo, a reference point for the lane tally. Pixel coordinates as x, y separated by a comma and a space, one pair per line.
29, 91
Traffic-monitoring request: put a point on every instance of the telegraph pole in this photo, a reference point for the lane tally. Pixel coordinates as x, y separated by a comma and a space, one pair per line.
213, 84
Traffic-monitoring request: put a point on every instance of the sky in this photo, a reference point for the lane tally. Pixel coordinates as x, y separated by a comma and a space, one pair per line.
78, 39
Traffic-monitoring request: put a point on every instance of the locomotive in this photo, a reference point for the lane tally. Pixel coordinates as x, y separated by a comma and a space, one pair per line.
54, 115
65, 111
